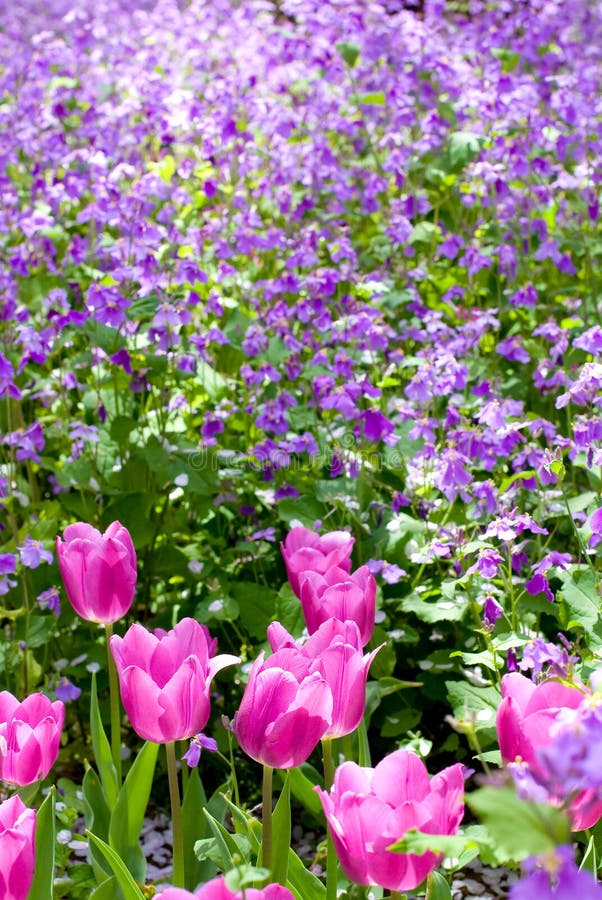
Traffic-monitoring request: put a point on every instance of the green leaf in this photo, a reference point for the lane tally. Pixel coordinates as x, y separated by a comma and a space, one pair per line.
478, 703
418, 842
128, 886
289, 611
281, 824
349, 52
42, 887
128, 813
301, 881
373, 98
102, 749
301, 782
228, 845
582, 598
195, 828
432, 611
437, 887
108, 890
464, 146
97, 816
257, 604
246, 876
519, 828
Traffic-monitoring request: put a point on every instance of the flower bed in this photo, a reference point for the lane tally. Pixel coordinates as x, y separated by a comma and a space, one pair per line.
302, 265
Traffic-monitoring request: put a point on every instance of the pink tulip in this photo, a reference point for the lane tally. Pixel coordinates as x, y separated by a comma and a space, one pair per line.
165, 679
17, 848
218, 890
336, 594
285, 710
525, 723
335, 651
304, 550
370, 809
98, 570
30, 735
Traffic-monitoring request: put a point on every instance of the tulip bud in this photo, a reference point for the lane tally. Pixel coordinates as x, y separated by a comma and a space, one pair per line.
99, 571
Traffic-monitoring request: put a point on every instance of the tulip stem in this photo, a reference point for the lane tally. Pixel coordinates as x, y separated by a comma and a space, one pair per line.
332, 869
114, 704
176, 816
266, 814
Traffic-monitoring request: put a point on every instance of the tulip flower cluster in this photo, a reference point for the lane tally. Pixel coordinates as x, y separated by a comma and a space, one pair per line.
306, 691
547, 734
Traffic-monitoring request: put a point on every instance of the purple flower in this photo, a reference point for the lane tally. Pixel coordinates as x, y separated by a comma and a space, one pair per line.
595, 523
8, 563
392, 573
487, 563
49, 599
555, 876
33, 554
492, 611
198, 743
539, 653
539, 585
65, 690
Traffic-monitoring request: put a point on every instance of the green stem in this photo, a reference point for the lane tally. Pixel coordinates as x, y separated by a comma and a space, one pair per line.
332, 873
114, 704
266, 814
176, 816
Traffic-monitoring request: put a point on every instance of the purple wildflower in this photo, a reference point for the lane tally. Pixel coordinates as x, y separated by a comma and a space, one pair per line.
49, 599
198, 743
33, 554
555, 876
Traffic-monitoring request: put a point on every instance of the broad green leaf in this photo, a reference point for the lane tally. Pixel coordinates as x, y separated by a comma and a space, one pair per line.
195, 828
301, 881
432, 611
42, 887
418, 842
129, 888
479, 704
281, 839
519, 828
246, 876
582, 597
437, 887
464, 146
102, 749
289, 611
108, 890
128, 813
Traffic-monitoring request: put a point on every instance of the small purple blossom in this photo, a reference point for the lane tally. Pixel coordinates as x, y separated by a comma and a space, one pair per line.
199, 743
33, 554
539, 584
492, 611
539, 653
49, 599
555, 876
65, 690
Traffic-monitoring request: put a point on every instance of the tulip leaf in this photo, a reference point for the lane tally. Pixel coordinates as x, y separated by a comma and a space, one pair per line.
437, 887
128, 814
98, 817
518, 828
228, 845
108, 890
302, 782
195, 828
303, 883
281, 840
102, 749
42, 887
129, 888
245, 824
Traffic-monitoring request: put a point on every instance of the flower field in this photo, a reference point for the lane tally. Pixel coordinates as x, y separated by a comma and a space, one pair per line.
300, 446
